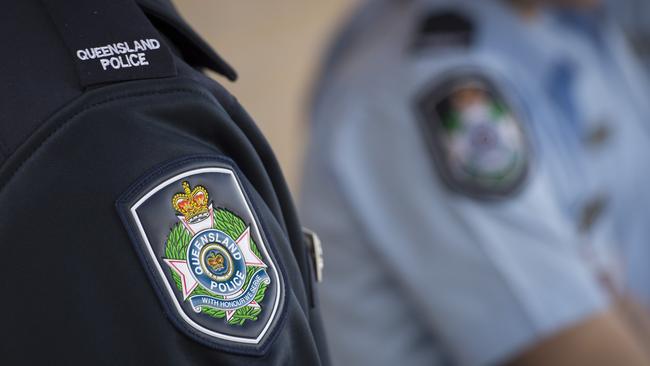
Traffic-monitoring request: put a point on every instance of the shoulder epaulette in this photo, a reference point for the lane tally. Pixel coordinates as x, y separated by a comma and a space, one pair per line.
443, 29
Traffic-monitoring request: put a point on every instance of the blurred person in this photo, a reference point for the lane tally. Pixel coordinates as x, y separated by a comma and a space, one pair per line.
478, 176
164, 229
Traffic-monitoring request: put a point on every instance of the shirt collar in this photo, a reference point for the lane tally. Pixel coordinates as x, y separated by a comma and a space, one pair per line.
192, 47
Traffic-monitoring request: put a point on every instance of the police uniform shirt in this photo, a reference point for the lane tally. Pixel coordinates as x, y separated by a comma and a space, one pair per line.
615, 132
427, 263
144, 217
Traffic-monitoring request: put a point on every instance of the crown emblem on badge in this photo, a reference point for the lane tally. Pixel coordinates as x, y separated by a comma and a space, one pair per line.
192, 203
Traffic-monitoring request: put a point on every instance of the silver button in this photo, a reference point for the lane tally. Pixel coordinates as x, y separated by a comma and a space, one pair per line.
316, 252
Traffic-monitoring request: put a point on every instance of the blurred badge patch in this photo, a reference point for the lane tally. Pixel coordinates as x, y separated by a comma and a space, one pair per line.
197, 234
478, 142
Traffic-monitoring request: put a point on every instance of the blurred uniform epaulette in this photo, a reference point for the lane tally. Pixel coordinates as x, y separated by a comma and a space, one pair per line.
444, 29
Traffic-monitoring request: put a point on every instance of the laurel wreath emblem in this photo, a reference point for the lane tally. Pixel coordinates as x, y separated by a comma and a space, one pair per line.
176, 248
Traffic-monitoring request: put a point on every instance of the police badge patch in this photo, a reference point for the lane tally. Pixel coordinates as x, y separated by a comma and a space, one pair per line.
195, 230
477, 139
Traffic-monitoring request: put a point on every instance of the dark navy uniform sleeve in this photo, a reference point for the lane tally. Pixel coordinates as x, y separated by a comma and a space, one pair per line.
152, 220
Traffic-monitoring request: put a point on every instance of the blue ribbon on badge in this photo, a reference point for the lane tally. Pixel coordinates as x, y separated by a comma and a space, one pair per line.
242, 300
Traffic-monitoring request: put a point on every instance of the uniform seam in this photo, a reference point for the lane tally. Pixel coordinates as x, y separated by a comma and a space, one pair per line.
4, 150
89, 107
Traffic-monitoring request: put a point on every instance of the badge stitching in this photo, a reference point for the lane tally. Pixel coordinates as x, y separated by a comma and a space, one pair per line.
163, 290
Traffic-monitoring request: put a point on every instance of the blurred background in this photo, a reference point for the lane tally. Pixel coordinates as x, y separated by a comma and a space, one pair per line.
277, 46
276, 63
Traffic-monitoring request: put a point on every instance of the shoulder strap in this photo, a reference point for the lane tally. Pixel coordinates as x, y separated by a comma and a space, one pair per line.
110, 41
195, 51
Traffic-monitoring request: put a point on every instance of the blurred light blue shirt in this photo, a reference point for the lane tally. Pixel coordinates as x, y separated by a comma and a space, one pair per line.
418, 275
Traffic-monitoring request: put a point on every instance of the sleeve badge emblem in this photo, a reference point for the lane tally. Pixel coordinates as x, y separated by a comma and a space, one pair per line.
219, 275
198, 233
478, 140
